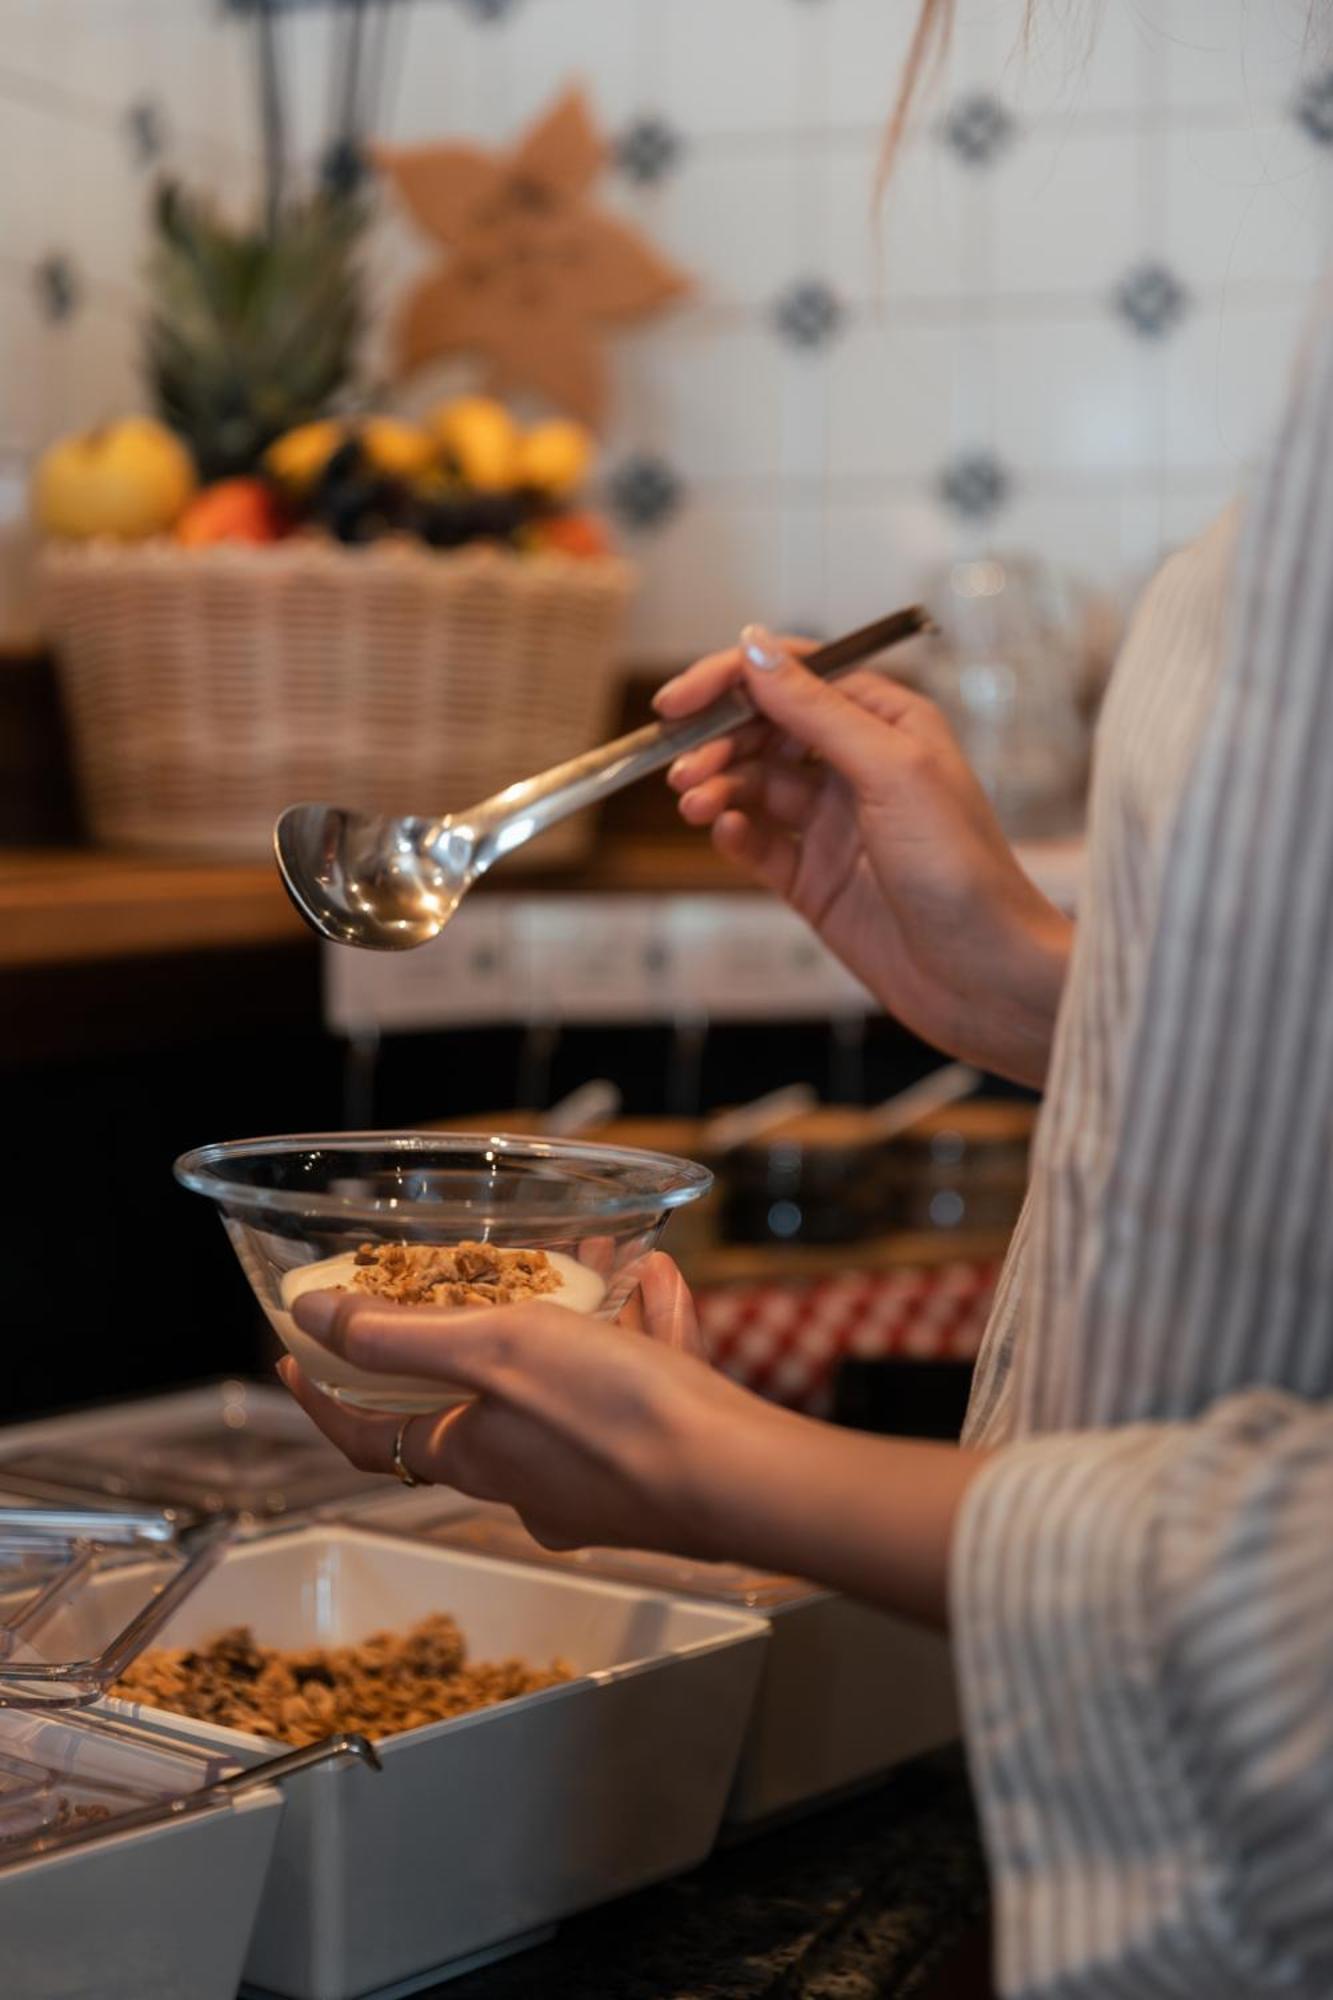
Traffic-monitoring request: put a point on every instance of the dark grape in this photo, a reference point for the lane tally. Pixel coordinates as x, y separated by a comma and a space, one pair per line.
496, 516
442, 523
347, 462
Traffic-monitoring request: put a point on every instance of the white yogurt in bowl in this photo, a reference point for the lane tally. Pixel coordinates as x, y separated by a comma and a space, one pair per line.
454, 1220
580, 1289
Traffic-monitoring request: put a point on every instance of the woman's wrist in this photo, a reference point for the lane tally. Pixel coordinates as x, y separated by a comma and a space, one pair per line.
1007, 1023
872, 1517
1041, 969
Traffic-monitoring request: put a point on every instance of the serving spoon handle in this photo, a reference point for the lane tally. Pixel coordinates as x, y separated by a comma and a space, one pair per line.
511, 818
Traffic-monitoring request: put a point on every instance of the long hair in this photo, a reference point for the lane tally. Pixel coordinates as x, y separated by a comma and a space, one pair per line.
925, 55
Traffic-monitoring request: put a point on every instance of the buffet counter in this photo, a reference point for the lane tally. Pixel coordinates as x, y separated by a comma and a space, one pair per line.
690, 1781
879, 1898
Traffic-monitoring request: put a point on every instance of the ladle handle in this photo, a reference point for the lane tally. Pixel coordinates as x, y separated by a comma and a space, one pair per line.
514, 816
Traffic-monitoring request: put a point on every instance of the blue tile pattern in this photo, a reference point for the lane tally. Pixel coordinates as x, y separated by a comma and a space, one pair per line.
978, 129
58, 289
1151, 300
975, 486
344, 167
808, 314
648, 150
1314, 107
489, 10
644, 492
146, 130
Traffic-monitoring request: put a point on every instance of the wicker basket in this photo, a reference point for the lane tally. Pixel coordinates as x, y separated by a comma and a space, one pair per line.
208, 689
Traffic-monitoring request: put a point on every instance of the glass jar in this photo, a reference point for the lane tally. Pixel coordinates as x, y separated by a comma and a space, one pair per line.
1007, 669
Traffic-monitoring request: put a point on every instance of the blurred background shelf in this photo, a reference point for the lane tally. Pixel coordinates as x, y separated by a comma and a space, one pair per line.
81, 904
809, 1263
74, 905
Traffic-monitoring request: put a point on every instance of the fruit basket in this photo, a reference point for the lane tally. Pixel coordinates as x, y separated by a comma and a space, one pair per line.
271, 591
393, 616
207, 688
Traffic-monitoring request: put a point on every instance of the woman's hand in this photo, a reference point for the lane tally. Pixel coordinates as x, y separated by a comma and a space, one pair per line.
855, 804
599, 1437
594, 1434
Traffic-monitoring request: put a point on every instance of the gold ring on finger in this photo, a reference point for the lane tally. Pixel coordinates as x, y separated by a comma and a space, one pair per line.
401, 1469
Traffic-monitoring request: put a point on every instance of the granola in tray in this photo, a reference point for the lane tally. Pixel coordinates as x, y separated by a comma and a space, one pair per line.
390, 1682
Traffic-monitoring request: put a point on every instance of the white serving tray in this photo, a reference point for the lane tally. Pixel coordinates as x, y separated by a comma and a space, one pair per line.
156, 1912
485, 1830
846, 1692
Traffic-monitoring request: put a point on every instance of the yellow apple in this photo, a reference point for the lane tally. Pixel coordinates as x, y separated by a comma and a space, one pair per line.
480, 438
554, 457
297, 458
131, 479
401, 450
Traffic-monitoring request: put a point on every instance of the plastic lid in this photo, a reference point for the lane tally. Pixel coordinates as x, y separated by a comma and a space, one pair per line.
62, 1775
81, 1595
234, 1448
67, 1779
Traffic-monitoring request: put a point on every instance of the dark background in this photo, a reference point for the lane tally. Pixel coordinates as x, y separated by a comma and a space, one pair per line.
118, 1281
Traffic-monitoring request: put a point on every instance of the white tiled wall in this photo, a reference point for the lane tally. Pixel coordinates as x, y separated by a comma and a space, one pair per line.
976, 317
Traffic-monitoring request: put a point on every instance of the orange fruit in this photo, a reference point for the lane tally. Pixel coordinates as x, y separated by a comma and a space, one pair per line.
584, 535
232, 510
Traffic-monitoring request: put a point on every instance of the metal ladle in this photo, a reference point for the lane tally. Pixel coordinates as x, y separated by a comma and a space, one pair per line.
391, 884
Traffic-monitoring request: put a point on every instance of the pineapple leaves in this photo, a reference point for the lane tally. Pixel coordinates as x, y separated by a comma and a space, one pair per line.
251, 331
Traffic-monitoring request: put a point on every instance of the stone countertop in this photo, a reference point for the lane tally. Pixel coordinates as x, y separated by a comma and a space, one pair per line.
862, 1901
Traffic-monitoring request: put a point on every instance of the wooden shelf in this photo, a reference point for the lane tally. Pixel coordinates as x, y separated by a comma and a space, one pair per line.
761, 1264
70, 906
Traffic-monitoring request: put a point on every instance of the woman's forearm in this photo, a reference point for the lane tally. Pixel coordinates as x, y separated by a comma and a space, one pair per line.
1007, 1024
873, 1517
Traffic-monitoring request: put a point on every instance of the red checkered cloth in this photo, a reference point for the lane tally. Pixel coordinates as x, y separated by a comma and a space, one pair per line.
784, 1339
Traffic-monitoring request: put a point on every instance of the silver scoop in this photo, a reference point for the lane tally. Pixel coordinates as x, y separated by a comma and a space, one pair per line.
391, 884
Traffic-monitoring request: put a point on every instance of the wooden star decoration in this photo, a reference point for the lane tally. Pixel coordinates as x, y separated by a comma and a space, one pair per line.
535, 270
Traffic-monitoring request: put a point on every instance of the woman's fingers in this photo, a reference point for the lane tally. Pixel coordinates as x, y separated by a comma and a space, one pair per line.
692, 766
710, 677
366, 1441
668, 1313
474, 1452
525, 1356
464, 1349
772, 789
853, 734
699, 684
881, 696
765, 852
429, 1452
630, 1315
598, 1253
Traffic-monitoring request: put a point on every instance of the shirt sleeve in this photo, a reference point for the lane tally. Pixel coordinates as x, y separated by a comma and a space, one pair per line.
1144, 1631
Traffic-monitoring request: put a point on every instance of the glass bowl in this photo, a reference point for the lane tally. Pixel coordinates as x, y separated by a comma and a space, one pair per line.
292, 1204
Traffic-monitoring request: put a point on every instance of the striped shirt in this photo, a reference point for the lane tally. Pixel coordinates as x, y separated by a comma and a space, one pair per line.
1143, 1574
